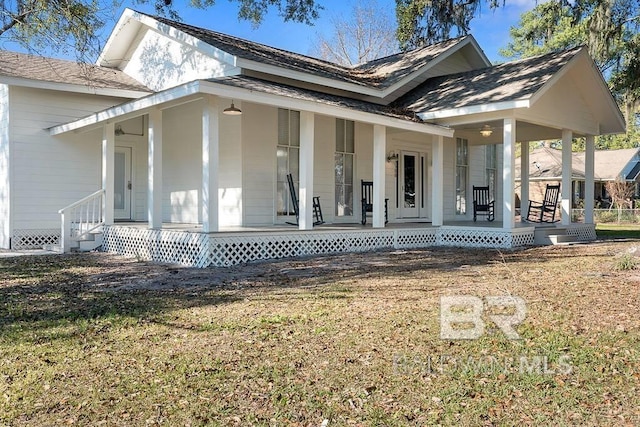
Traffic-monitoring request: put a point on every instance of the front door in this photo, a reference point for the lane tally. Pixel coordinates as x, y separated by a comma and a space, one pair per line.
122, 183
410, 173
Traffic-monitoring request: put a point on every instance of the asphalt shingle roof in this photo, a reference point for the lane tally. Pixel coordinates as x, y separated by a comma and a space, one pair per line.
263, 86
20, 65
505, 82
380, 73
608, 164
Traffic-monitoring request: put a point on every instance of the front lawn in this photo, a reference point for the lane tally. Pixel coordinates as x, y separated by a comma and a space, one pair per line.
96, 339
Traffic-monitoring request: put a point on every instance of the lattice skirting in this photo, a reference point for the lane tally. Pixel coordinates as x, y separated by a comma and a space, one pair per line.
167, 246
484, 238
202, 250
34, 239
583, 232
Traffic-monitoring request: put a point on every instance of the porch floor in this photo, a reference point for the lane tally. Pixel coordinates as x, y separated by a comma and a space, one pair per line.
197, 228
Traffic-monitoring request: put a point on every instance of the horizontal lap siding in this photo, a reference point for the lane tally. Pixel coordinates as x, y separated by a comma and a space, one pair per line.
50, 173
260, 137
182, 163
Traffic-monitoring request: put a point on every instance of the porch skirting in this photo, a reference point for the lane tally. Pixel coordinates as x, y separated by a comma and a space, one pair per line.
196, 249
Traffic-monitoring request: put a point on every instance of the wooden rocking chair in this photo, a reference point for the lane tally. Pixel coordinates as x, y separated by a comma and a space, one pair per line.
317, 210
367, 202
482, 203
545, 211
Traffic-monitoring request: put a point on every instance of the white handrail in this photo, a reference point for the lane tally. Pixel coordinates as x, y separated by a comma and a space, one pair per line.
81, 201
81, 218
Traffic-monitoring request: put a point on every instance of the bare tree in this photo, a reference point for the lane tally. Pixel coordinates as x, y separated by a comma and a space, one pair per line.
368, 33
621, 193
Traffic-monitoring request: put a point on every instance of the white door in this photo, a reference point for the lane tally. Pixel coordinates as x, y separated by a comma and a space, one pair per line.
122, 183
410, 181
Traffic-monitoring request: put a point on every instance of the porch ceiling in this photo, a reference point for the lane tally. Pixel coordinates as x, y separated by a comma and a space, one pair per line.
525, 131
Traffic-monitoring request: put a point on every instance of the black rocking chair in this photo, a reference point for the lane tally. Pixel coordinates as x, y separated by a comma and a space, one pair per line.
367, 202
545, 211
317, 210
482, 203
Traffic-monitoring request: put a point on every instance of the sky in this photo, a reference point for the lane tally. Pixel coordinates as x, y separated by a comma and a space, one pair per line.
490, 28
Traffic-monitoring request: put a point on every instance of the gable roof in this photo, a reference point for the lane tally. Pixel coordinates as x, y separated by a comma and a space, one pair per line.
510, 81
377, 79
545, 163
15, 65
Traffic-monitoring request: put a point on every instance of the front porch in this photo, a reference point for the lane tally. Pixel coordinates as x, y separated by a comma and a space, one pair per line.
189, 245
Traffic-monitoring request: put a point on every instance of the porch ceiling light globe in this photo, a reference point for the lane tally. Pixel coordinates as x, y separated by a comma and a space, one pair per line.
486, 131
232, 111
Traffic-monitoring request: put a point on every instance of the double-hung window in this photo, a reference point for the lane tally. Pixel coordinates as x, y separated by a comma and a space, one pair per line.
462, 173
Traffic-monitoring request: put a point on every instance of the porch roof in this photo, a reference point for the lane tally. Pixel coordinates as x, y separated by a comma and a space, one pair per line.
517, 85
243, 88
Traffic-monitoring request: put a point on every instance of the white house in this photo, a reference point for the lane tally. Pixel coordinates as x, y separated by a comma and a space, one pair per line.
139, 154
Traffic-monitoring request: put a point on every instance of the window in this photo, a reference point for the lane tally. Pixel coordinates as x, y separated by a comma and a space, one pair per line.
490, 165
462, 170
344, 161
288, 158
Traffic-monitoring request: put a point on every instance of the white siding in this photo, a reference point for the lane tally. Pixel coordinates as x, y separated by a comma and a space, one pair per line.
160, 62
564, 108
260, 136
230, 169
456, 63
182, 163
5, 171
364, 162
49, 173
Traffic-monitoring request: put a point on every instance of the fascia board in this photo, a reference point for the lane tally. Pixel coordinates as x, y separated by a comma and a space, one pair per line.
475, 109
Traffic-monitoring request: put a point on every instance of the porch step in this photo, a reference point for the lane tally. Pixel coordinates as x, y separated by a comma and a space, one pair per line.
89, 243
562, 239
552, 235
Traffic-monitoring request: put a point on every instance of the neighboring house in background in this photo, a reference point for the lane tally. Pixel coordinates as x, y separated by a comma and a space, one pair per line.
145, 159
545, 167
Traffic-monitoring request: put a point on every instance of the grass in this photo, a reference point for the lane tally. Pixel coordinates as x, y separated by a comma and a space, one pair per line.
618, 231
352, 339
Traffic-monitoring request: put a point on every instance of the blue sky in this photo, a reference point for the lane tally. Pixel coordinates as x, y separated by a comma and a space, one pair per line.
490, 28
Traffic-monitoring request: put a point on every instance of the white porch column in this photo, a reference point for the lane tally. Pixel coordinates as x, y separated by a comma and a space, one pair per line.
108, 156
437, 181
305, 197
508, 178
154, 192
210, 161
589, 190
567, 168
524, 178
379, 160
